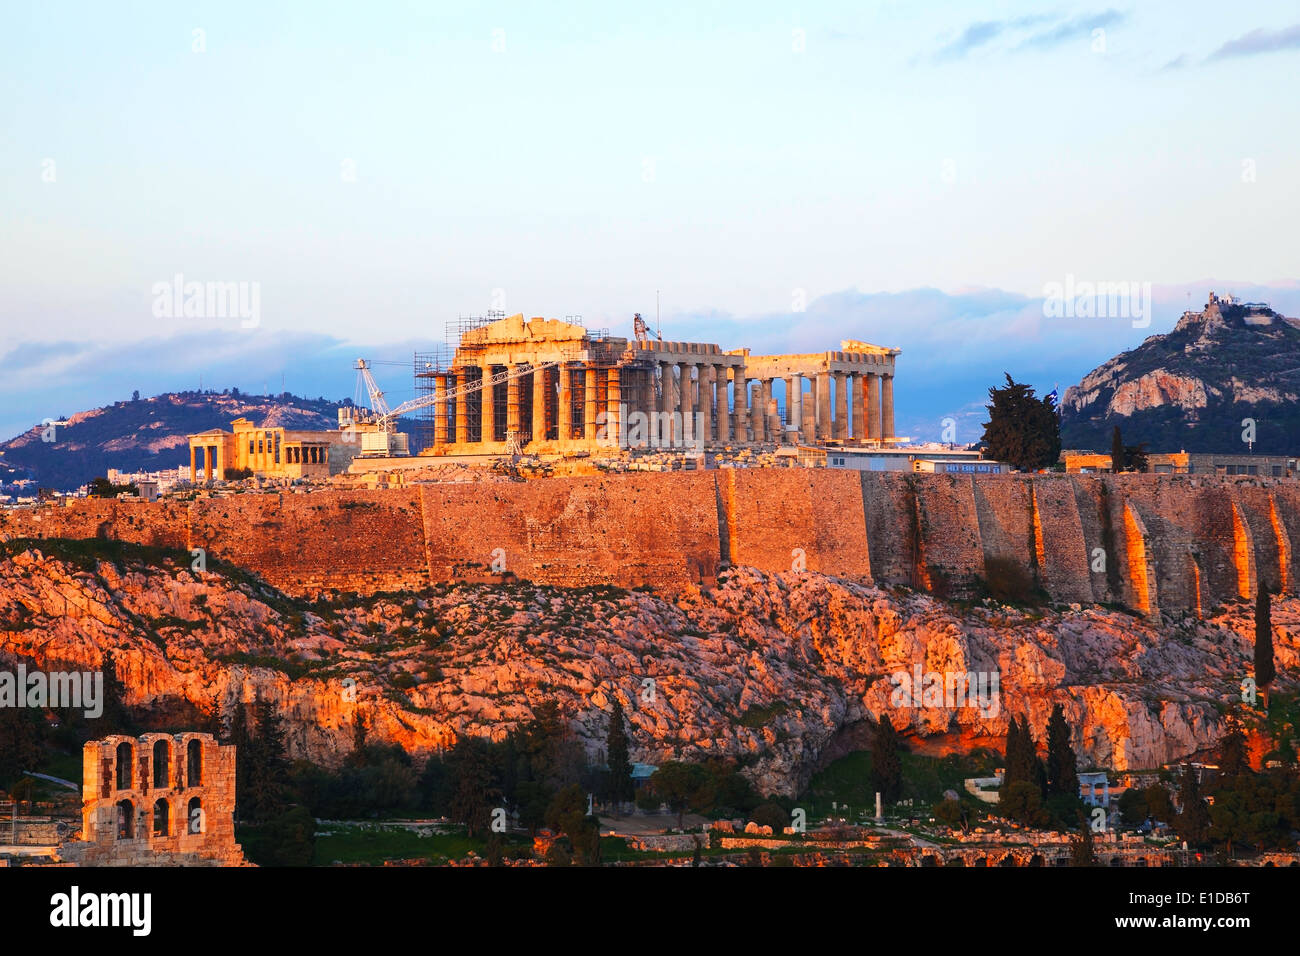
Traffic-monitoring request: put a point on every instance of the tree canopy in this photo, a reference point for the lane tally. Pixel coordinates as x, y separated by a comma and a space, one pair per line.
1022, 429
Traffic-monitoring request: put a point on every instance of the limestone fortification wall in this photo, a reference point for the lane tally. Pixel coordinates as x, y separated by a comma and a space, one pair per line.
1172, 543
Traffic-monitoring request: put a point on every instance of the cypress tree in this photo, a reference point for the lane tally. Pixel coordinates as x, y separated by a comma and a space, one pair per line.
886, 765
1082, 851
1193, 820
1062, 765
620, 764
1233, 762
1011, 759
1117, 454
1264, 670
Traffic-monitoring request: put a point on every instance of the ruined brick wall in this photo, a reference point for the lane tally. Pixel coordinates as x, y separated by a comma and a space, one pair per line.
362, 540
630, 530
157, 800
1168, 543
779, 517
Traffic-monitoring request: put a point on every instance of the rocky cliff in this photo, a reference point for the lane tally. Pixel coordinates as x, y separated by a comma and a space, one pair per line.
776, 669
1191, 388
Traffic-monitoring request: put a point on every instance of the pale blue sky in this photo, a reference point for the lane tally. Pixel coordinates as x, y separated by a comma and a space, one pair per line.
608, 152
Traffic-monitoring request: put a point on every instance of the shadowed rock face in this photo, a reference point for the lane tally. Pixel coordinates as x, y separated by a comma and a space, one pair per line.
769, 668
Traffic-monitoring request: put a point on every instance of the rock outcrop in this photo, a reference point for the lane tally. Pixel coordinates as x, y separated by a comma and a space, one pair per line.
773, 669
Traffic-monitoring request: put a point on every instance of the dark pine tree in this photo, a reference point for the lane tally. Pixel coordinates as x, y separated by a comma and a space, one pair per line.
1118, 457
1233, 761
886, 764
115, 718
1082, 851
620, 763
1062, 766
268, 765
1264, 670
1193, 821
1011, 763
1022, 429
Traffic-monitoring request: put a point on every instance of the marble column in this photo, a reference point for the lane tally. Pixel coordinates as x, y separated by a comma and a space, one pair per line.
740, 408
858, 396
539, 404
887, 406
514, 421
873, 406
589, 403
687, 404
709, 400
488, 415
823, 405
841, 406
757, 413
462, 407
564, 410
614, 412
439, 411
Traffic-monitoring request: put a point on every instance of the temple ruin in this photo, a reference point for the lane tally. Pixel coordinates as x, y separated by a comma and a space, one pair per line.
543, 386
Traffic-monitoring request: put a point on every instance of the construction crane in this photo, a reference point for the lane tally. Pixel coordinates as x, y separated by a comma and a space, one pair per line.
383, 441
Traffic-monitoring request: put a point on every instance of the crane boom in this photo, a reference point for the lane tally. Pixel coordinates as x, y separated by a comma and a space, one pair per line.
388, 417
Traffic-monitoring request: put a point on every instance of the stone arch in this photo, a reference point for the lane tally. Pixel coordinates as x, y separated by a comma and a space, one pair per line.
1037, 860
194, 763
1008, 860
125, 757
125, 820
194, 817
162, 757
162, 818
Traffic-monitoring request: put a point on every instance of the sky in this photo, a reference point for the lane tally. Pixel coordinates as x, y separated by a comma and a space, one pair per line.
780, 175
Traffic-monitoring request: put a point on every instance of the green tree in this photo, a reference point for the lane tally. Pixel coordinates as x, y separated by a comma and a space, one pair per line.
268, 791
1233, 761
21, 742
1193, 821
951, 813
1160, 806
1132, 806
1062, 766
567, 814
620, 763
1264, 669
1011, 761
1118, 459
1082, 850
114, 718
475, 790
1023, 801
886, 764
676, 783
1022, 429
1136, 458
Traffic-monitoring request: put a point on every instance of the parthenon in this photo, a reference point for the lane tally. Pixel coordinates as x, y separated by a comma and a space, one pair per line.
547, 386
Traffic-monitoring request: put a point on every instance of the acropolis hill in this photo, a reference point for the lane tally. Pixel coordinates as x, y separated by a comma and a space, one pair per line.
1151, 543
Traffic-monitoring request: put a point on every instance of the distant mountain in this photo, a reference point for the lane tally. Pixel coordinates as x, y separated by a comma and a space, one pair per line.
1191, 388
148, 434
